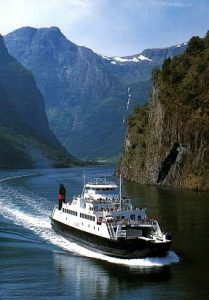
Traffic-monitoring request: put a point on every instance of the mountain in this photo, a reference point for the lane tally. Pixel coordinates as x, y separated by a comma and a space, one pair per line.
25, 137
87, 96
167, 141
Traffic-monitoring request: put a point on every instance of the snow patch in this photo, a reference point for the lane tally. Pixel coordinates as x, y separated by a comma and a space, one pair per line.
131, 59
142, 57
105, 57
180, 45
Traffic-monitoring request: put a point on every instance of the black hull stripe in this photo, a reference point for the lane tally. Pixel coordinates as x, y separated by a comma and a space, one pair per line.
134, 248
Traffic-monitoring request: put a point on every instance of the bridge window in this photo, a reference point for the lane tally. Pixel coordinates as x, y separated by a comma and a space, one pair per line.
132, 217
87, 217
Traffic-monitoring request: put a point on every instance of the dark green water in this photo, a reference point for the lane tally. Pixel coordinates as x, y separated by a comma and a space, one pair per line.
36, 263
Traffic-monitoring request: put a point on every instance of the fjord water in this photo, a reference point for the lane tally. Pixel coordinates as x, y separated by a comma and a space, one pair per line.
36, 263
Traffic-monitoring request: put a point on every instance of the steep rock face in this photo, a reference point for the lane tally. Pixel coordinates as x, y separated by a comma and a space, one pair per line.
167, 142
87, 96
172, 153
26, 139
26, 100
79, 92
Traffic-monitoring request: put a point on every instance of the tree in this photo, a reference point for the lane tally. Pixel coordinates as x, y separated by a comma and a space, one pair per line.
196, 44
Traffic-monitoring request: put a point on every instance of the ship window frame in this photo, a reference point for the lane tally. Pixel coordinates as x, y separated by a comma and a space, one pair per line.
132, 217
87, 217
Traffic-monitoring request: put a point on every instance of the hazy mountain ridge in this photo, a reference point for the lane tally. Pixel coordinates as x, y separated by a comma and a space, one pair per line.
26, 139
86, 95
157, 55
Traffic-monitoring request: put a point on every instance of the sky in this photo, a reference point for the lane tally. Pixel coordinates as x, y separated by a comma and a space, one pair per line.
112, 27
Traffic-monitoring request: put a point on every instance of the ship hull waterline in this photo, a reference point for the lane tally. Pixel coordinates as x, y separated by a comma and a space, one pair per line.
122, 248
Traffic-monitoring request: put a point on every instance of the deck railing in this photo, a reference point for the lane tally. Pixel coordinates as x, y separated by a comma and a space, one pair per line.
132, 222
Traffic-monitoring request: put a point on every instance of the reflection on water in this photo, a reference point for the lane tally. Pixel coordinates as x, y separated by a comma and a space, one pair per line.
34, 258
185, 215
90, 278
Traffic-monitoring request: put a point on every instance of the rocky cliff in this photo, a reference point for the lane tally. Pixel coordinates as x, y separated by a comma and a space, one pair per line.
25, 137
167, 141
87, 95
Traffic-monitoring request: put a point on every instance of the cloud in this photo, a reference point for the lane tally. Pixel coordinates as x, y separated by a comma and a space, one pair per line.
42, 13
111, 27
170, 3
177, 3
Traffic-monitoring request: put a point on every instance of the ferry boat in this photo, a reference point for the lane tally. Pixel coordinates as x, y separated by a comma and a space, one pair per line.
101, 220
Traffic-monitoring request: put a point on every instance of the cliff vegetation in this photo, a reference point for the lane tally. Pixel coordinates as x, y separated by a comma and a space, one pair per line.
167, 141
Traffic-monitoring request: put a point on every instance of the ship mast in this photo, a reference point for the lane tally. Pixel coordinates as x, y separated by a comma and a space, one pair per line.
84, 181
120, 198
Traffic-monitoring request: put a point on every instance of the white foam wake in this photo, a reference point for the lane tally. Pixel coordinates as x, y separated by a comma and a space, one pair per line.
37, 220
4, 179
41, 226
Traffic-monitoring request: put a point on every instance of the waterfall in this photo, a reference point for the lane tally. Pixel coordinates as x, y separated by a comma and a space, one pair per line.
127, 105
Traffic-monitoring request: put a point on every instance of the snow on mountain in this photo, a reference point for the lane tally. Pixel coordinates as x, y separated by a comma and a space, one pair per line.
183, 44
126, 59
138, 57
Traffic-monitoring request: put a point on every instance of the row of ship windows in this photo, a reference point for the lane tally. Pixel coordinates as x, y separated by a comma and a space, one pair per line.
100, 189
88, 217
71, 212
74, 213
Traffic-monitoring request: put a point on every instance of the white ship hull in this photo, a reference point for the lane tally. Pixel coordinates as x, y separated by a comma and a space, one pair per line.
102, 221
121, 248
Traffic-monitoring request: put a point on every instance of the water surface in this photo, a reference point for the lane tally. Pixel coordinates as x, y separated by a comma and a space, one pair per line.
37, 263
